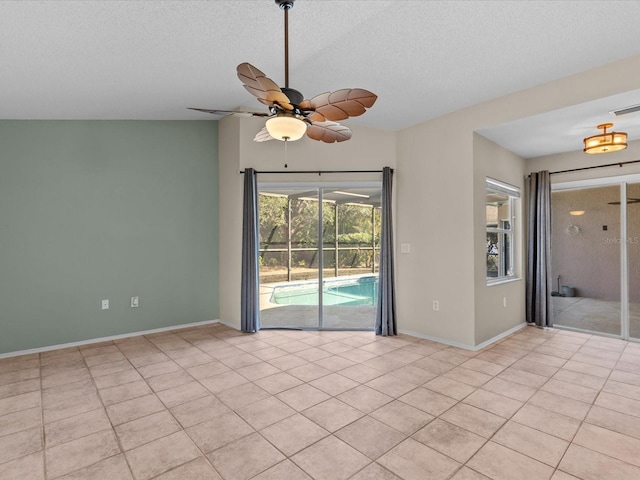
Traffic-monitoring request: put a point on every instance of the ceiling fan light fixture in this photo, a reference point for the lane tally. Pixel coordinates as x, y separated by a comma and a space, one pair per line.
605, 142
286, 128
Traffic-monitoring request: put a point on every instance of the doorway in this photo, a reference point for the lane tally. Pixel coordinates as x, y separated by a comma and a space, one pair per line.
319, 255
595, 255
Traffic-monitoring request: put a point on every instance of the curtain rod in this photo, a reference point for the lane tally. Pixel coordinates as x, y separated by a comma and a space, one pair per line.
619, 164
319, 172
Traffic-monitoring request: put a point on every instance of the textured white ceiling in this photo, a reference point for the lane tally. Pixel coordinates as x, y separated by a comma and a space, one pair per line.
563, 130
151, 59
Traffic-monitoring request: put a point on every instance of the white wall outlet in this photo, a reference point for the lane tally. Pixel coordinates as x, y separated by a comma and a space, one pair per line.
405, 248
134, 302
436, 305
105, 304
504, 302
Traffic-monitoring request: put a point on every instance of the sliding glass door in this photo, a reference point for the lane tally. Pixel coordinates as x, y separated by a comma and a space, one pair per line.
633, 257
351, 256
595, 251
586, 259
289, 257
319, 236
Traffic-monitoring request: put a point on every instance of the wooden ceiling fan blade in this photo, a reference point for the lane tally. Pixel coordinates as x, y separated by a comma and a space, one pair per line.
328, 132
348, 103
270, 102
342, 104
262, 87
317, 117
309, 112
268, 85
265, 84
263, 136
363, 97
230, 112
318, 101
248, 74
270, 97
333, 113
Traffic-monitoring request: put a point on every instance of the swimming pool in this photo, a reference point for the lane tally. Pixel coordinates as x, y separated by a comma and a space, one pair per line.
346, 291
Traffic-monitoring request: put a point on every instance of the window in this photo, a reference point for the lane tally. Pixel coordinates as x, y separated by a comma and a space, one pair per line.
500, 215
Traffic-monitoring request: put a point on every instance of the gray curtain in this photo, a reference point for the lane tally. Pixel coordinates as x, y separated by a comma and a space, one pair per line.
539, 282
386, 311
249, 294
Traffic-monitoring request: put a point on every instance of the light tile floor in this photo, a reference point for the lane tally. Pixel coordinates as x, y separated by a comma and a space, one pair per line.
211, 403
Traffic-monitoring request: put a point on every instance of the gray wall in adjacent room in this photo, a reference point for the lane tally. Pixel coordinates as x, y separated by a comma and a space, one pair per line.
93, 210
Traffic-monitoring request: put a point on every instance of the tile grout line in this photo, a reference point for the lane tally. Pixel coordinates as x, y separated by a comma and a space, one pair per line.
521, 407
182, 428
43, 433
380, 373
583, 421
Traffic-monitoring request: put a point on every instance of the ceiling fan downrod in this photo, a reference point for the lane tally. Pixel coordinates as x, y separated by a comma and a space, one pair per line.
286, 5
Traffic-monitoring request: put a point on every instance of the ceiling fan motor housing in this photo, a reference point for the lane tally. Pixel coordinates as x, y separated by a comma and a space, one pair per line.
285, 4
295, 97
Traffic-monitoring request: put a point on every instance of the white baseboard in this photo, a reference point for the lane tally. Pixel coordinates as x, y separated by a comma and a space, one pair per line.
231, 325
520, 326
106, 339
463, 345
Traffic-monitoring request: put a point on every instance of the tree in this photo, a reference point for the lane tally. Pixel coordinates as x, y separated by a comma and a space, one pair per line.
354, 230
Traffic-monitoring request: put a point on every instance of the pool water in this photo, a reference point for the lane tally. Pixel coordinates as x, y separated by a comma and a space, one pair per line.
343, 291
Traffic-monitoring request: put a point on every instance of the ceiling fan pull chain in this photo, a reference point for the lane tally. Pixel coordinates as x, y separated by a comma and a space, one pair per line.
286, 142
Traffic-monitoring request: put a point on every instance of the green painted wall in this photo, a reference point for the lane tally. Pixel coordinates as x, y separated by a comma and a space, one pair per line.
93, 210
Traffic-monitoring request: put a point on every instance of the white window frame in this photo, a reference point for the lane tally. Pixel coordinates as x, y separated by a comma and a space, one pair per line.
513, 194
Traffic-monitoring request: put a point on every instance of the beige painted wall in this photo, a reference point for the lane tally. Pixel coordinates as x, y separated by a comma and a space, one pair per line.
435, 216
577, 159
569, 160
230, 218
369, 149
438, 180
442, 170
438, 201
589, 260
491, 316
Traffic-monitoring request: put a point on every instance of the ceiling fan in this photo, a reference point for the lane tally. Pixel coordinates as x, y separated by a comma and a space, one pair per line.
629, 201
290, 116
